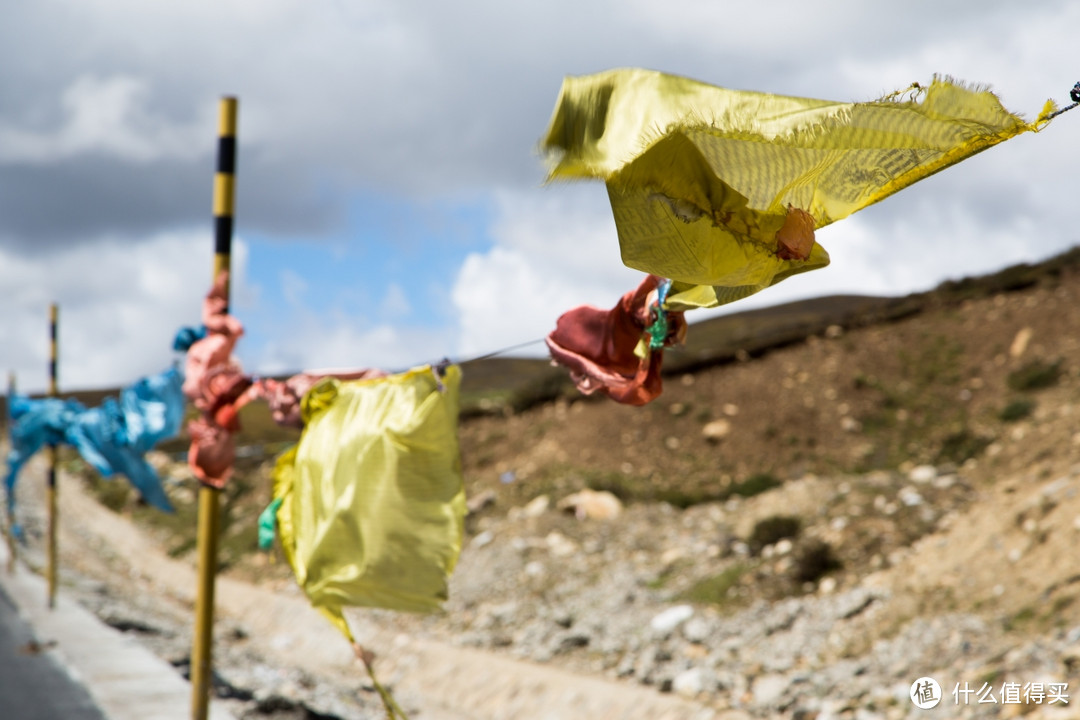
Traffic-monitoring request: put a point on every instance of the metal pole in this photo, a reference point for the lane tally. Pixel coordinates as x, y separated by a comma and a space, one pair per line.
12, 548
209, 502
51, 493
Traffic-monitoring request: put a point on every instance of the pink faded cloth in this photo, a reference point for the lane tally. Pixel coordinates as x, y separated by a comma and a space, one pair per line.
215, 350
216, 385
283, 396
213, 436
215, 382
212, 452
598, 346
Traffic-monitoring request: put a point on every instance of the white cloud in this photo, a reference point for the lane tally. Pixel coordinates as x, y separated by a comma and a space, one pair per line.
558, 248
1024, 57
395, 302
555, 249
1010, 204
293, 287
894, 258
417, 99
105, 115
313, 343
120, 304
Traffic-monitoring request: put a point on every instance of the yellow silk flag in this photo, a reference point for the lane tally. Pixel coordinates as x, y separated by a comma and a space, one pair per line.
706, 182
372, 498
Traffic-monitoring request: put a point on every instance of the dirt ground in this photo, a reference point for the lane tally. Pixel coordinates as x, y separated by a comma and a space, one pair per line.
923, 471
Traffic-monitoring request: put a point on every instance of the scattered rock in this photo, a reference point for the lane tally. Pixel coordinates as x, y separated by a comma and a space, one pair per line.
560, 545
536, 507
944, 482
480, 501
1020, 342
716, 430
768, 689
854, 603
690, 683
696, 630
482, 539
671, 556
534, 569
666, 622
571, 641
592, 505
910, 496
923, 474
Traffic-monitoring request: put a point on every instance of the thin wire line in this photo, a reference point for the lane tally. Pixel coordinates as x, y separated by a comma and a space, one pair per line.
1074, 95
503, 350
1065, 109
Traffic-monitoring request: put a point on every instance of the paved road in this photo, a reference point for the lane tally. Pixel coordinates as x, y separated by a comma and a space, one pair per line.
33, 686
121, 677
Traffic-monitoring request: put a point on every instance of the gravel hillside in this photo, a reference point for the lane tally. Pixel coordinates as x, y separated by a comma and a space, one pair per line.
800, 533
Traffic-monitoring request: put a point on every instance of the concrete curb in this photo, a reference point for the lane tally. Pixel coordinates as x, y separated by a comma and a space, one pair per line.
125, 679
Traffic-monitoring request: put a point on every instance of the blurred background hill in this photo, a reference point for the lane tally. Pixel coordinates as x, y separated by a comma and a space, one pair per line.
889, 482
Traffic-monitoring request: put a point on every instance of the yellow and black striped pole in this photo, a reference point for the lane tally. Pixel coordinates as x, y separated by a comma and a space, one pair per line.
10, 503
53, 558
209, 502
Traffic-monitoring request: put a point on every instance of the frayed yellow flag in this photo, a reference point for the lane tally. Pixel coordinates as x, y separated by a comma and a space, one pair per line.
703, 180
373, 501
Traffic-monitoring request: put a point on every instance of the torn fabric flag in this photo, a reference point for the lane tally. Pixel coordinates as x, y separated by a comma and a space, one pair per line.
34, 423
372, 497
611, 351
116, 436
113, 437
215, 382
217, 385
283, 396
721, 190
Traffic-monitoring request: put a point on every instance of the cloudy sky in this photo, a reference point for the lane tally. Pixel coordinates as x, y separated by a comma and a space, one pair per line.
390, 206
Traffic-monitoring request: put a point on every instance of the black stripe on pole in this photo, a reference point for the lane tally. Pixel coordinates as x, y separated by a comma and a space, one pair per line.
54, 313
227, 155
224, 179
223, 229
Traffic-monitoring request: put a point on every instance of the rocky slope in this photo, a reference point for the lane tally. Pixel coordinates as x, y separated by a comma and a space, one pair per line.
799, 534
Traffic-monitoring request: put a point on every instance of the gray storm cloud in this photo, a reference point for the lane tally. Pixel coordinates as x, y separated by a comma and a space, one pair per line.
108, 127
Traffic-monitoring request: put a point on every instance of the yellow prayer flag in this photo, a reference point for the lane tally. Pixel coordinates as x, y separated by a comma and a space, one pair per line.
373, 501
702, 179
